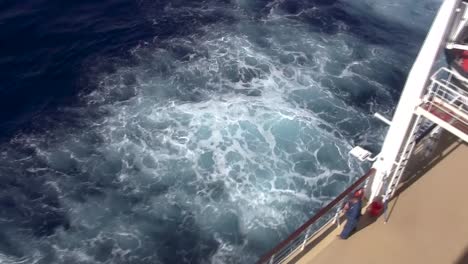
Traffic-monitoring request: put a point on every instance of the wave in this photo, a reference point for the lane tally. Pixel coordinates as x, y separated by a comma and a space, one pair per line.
207, 145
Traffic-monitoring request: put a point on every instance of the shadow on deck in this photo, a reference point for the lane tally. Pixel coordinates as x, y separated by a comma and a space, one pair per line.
428, 216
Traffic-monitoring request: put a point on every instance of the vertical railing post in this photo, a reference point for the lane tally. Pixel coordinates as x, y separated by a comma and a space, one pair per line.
385, 204
305, 238
337, 214
271, 259
385, 197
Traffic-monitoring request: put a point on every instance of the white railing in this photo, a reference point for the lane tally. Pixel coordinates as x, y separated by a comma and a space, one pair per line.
449, 95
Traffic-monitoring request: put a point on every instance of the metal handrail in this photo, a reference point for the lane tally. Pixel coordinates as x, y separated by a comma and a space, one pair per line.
448, 93
447, 83
299, 237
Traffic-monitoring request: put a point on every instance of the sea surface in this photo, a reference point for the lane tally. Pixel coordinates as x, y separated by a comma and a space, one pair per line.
156, 131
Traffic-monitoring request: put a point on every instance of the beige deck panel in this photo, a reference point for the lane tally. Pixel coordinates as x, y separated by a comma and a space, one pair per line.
428, 221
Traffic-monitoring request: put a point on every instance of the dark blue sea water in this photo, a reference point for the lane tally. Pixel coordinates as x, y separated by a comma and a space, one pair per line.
140, 131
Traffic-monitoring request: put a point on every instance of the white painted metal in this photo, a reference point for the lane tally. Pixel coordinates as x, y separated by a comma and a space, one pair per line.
457, 46
448, 97
462, 16
360, 153
457, 111
444, 125
307, 235
383, 119
395, 175
404, 117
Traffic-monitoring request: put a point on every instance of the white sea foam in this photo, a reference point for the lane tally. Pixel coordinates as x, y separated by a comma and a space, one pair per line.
211, 147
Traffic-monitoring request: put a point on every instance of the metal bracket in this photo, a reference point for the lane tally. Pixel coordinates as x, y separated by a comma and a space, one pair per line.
362, 154
383, 119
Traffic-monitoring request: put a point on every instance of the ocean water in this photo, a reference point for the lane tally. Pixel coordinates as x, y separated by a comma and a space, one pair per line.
139, 131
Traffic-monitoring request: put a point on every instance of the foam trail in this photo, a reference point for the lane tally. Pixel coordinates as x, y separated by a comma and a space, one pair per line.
207, 145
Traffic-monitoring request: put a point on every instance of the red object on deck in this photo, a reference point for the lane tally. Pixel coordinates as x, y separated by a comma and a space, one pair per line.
376, 208
464, 63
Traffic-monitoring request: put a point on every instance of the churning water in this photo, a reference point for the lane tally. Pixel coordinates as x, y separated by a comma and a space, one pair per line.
207, 140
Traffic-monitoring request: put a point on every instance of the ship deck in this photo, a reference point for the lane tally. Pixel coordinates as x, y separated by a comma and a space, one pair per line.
428, 218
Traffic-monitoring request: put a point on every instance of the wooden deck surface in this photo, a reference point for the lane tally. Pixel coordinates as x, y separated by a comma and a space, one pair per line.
428, 220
